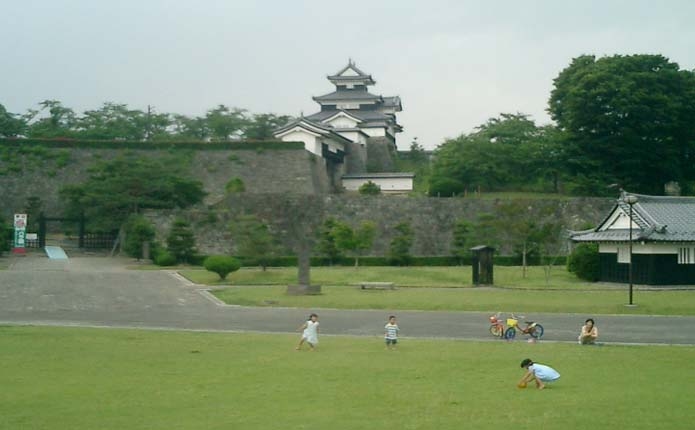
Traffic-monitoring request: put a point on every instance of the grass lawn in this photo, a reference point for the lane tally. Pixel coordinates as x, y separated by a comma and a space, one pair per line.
469, 299
505, 276
74, 378
564, 293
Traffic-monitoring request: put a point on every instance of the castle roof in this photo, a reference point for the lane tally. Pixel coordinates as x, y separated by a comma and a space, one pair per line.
313, 127
351, 73
352, 95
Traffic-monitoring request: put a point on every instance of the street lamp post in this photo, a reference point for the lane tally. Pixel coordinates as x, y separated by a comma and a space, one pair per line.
630, 200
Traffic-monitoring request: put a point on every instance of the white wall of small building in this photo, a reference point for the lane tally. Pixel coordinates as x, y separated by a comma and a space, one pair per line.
387, 185
311, 142
639, 248
375, 131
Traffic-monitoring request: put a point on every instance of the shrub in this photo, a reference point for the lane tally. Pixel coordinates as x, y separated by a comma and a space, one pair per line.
235, 185
369, 188
584, 262
164, 258
223, 265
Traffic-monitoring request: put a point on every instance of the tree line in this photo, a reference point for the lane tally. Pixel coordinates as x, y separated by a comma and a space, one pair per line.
114, 121
619, 121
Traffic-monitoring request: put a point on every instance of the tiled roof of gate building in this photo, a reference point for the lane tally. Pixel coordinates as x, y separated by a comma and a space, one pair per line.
660, 219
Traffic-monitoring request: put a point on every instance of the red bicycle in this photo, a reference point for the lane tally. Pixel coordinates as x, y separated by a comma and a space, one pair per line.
497, 327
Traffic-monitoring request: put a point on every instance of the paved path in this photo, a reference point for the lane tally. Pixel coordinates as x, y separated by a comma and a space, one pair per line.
99, 291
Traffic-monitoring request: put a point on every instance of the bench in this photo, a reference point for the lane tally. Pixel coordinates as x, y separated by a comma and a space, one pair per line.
377, 286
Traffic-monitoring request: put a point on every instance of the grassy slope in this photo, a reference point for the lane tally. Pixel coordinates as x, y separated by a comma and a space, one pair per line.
61, 378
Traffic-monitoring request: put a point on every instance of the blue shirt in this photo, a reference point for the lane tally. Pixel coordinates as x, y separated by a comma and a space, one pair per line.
544, 373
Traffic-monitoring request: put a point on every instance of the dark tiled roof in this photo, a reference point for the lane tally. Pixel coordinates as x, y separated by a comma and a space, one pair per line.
348, 95
394, 101
322, 129
660, 219
351, 65
367, 116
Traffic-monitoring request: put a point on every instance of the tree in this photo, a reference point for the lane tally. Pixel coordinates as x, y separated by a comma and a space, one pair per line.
11, 125
526, 228
226, 123
502, 154
181, 241
112, 121
33, 209
223, 265
186, 128
417, 152
129, 184
401, 243
355, 242
261, 126
463, 230
627, 120
254, 240
60, 121
326, 244
138, 231
369, 188
5, 236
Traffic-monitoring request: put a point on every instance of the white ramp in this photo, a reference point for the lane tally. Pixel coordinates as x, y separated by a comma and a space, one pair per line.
55, 253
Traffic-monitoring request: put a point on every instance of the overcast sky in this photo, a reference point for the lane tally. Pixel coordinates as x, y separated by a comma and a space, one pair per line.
453, 63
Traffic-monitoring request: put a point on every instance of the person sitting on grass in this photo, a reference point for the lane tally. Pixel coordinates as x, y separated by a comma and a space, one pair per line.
540, 373
589, 333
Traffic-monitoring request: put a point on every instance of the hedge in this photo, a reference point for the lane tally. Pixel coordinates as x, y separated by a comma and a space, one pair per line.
154, 145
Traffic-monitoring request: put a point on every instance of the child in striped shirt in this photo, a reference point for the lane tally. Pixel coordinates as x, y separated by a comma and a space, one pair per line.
391, 333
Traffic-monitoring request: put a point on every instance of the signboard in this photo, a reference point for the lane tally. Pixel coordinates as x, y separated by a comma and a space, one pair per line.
20, 233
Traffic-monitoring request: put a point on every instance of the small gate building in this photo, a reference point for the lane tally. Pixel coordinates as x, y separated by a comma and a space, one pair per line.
663, 240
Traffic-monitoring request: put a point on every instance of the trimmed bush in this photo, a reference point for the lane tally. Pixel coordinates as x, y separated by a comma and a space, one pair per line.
164, 258
223, 265
584, 262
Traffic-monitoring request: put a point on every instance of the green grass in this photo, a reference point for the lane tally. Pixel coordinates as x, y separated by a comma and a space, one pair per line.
564, 293
457, 276
469, 299
74, 379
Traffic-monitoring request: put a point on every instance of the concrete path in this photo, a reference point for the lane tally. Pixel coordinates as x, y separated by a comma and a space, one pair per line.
100, 291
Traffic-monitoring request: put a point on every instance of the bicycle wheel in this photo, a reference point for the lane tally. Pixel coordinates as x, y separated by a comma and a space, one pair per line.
510, 333
496, 330
537, 331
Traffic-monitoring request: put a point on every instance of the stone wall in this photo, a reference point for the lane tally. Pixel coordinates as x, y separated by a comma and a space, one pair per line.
23, 175
432, 218
381, 155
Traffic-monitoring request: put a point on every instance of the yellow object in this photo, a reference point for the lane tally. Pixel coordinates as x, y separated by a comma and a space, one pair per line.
522, 385
511, 322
